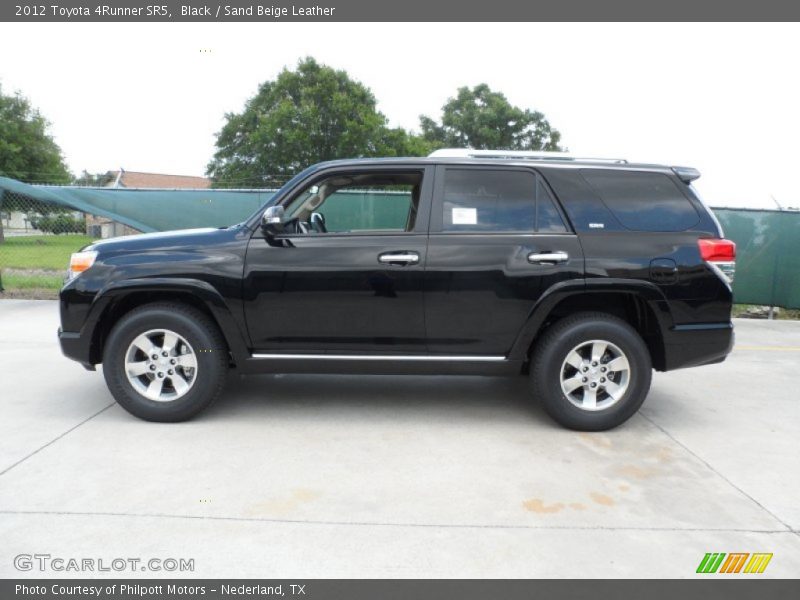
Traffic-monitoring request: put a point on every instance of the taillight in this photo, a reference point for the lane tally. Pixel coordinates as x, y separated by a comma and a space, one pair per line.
719, 253
716, 250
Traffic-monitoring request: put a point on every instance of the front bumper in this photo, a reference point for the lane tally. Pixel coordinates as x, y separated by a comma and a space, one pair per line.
76, 347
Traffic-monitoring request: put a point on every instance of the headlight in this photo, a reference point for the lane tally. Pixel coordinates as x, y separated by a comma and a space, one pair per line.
79, 262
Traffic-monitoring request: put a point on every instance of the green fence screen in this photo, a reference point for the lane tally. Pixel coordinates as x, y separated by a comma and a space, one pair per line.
767, 255
767, 241
149, 210
165, 210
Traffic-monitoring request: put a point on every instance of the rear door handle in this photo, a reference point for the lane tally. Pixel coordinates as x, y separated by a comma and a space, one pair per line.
547, 258
399, 258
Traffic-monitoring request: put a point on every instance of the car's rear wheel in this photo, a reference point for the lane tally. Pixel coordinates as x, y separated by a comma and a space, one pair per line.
165, 362
591, 371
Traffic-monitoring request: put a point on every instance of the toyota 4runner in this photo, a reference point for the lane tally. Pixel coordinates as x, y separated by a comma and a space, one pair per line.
583, 274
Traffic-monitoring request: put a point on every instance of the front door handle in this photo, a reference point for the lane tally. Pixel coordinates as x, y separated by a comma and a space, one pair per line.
399, 258
547, 258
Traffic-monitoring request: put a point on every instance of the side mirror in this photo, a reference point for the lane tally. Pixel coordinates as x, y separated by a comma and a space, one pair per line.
272, 221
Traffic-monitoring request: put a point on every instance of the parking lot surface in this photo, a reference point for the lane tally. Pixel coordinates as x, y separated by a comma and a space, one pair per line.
354, 476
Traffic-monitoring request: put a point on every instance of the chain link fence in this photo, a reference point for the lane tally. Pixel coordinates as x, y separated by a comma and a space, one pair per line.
36, 240
41, 226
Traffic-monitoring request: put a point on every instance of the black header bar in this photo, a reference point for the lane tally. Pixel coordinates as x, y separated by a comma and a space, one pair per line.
710, 588
277, 11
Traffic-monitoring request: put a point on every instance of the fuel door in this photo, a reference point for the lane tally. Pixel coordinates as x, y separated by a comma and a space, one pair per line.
663, 271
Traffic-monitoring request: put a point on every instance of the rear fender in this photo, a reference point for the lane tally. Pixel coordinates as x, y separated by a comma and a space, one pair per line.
543, 308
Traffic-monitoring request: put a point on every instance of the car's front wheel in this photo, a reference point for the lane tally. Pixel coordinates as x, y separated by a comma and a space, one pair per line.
165, 362
591, 371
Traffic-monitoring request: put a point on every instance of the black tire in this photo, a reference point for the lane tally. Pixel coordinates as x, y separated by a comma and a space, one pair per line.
201, 334
548, 360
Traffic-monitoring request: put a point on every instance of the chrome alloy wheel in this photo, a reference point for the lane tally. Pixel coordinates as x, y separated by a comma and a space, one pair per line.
161, 365
595, 375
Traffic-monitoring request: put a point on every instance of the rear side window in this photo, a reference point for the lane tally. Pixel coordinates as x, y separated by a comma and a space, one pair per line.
548, 219
643, 201
502, 201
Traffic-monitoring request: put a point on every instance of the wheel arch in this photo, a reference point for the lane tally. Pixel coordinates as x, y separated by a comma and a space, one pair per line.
639, 303
119, 298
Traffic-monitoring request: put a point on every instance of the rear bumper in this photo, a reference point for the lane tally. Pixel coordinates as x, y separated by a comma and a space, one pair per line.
76, 347
698, 344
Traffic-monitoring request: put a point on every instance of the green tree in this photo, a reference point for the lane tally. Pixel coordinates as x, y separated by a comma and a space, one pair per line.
27, 151
60, 224
399, 142
482, 119
304, 116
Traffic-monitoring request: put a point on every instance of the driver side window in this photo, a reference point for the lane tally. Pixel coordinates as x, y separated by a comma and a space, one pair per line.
357, 203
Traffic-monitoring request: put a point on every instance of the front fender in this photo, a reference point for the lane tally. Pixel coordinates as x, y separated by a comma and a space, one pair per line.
106, 298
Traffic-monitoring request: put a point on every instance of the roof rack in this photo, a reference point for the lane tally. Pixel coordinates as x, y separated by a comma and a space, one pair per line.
517, 154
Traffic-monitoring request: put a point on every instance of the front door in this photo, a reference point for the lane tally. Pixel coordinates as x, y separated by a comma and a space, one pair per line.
346, 275
498, 241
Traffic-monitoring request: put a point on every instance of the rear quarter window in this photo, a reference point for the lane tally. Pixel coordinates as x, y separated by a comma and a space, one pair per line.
643, 201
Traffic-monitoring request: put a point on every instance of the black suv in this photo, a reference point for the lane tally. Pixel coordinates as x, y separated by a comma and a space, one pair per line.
584, 274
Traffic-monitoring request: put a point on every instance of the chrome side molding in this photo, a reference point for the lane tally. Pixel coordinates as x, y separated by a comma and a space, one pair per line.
397, 357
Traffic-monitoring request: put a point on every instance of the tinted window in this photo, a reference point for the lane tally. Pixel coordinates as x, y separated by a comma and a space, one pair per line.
643, 201
495, 201
548, 220
581, 203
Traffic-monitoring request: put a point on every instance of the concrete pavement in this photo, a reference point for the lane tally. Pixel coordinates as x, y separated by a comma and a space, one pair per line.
351, 476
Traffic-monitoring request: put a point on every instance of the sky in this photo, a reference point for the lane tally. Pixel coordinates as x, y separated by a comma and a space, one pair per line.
723, 98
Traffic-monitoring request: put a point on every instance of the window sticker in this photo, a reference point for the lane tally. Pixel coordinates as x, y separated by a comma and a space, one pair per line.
465, 216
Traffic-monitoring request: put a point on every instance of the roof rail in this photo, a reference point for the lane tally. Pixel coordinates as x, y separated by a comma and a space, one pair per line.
517, 154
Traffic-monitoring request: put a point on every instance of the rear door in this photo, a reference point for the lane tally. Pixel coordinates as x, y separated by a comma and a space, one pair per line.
498, 241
